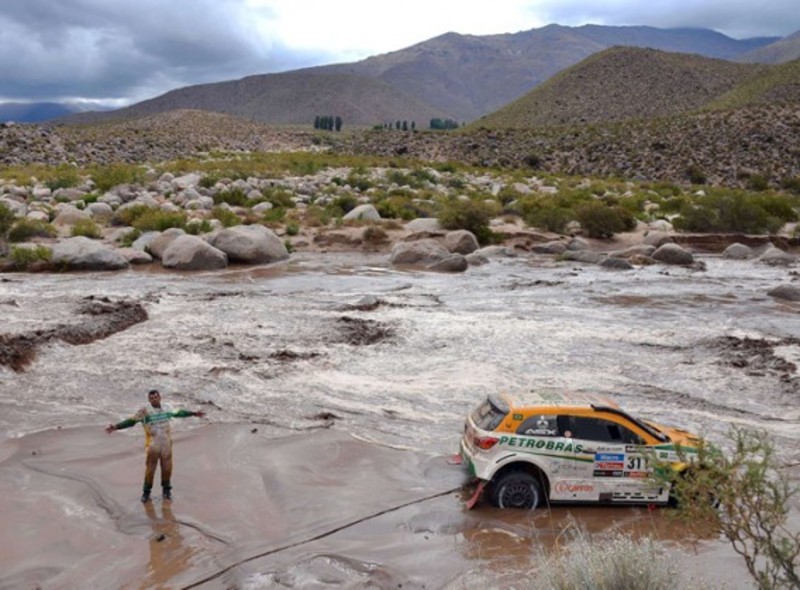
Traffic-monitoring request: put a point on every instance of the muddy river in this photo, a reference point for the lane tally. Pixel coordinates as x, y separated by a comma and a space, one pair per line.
342, 351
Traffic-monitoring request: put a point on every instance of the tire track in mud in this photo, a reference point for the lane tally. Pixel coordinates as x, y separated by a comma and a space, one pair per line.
102, 318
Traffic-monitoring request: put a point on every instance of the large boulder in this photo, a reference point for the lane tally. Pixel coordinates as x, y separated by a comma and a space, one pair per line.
366, 212
420, 252
738, 251
461, 241
157, 245
70, 216
777, 257
657, 238
453, 263
250, 244
81, 253
423, 224
673, 254
631, 251
189, 252
787, 292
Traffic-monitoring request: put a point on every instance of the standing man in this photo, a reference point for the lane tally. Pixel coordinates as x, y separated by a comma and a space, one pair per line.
158, 440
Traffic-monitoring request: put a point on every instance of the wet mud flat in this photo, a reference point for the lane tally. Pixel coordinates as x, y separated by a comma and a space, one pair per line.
317, 510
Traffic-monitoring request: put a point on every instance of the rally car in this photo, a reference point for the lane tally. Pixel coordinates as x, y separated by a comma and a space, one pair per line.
555, 446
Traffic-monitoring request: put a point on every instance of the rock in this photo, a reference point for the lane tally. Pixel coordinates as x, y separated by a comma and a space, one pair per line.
657, 239
68, 194
577, 244
80, 253
641, 260
18, 208
737, 251
262, 207
367, 212
70, 216
100, 211
183, 182
187, 252
673, 254
497, 252
477, 259
158, 244
250, 244
614, 263
421, 252
586, 256
461, 242
453, 263
630, 252
662, 225
777, 257
423, 224
787, 292
134, 256
554, 247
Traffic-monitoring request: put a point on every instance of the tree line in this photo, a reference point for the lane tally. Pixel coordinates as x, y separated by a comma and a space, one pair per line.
328, 122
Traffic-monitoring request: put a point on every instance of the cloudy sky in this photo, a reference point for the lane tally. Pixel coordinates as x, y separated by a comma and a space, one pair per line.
123, 51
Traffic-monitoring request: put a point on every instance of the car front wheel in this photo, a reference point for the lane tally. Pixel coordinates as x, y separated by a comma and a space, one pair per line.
516, 489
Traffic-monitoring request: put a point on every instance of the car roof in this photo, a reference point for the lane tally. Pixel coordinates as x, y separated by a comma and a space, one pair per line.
551, 397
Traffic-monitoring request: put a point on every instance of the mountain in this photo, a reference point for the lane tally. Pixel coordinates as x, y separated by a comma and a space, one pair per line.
781, 51
33, 112
451, 76
778, 84
469, 76
293, 98
624, 83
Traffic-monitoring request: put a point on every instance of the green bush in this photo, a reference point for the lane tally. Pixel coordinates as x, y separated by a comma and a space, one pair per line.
470, 215
23, 257
745, 495
7, 218
736, 211
279, 197
86, 228
129, 238
603, 221
64, 176
226, 216
196, 227
695, 175
235, 197
374, 234
111, 175
292, 228
146, 218
25, 228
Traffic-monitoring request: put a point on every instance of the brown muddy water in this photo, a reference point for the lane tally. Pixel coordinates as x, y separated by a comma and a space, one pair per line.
334, 386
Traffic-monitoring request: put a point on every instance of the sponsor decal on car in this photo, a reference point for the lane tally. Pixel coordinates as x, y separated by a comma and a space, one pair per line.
541, 444
574, 488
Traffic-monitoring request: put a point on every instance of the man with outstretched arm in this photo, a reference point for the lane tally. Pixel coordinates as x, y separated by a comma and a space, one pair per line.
158, 440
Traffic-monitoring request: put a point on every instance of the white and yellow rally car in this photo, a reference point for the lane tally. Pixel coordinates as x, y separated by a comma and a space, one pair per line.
554, 446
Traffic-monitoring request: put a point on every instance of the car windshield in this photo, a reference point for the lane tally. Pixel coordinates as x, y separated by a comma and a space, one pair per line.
490, 413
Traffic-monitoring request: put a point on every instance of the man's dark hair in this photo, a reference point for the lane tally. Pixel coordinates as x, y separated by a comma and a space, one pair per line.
152, 391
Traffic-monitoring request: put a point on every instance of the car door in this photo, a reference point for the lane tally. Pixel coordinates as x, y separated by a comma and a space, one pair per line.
609, 462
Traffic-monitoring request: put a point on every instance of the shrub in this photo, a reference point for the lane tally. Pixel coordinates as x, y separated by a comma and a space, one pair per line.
695, 175
603, 221
374, 234
226, 216
745, 496
64, 176
196, 227
25, 228
232, 196
279, 197
735, 212
129, 238
471, 215
607, 564
23, 257
86, 228
7, 218
292, 228
109, 176
151, 219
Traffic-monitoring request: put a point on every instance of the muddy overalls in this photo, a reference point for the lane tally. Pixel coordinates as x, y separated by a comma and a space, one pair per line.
158, 443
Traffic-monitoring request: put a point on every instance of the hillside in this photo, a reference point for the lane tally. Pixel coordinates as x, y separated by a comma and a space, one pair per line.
451, 76
469, 76
624, 83
778, 84
289, 98
782, 51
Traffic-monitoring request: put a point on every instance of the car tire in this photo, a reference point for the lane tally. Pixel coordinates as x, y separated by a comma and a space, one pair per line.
516, 489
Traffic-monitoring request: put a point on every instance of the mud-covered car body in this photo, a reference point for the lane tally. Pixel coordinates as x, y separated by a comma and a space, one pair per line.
568, 447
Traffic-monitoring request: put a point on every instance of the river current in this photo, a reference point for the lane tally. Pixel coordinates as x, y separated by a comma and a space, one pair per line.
400, 356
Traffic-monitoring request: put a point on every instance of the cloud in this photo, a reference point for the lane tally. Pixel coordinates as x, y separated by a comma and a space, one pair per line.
121, 51
104, 49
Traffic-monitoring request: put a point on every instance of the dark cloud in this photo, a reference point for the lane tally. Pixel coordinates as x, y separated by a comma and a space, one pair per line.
135, 49
106, 49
